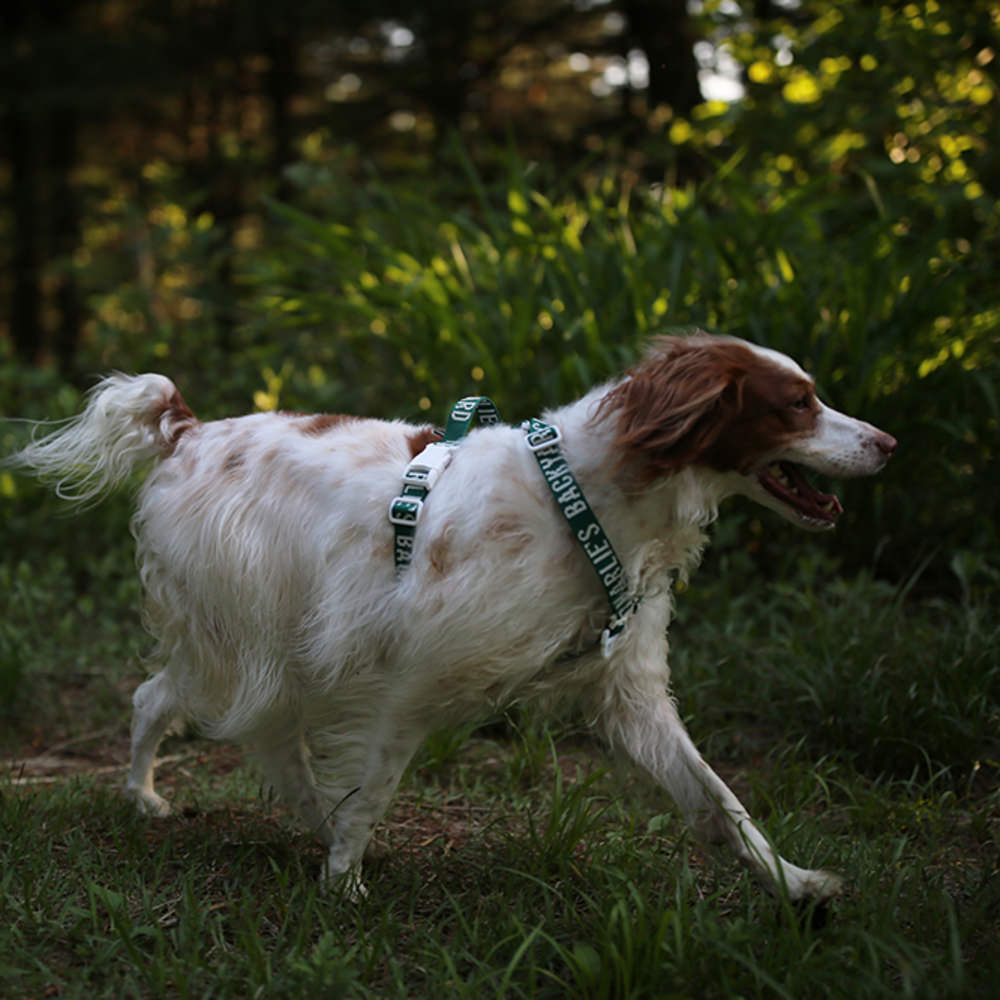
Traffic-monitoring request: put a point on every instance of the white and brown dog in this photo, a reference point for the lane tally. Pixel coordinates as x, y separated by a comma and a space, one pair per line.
267, 559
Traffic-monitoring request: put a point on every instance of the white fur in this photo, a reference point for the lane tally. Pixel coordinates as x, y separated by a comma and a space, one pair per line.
117, 411
266, 555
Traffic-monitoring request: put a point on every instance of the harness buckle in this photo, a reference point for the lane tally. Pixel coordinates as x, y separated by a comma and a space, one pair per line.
542, 438
405, 510
425, 469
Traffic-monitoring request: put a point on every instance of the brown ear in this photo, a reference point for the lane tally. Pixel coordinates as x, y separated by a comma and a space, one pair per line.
674, 405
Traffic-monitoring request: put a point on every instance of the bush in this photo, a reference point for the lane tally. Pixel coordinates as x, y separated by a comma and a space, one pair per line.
531, 298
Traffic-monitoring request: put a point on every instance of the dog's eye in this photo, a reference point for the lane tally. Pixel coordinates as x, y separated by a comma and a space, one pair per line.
802, 403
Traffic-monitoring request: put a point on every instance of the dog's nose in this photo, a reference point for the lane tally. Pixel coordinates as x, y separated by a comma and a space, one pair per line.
885, 443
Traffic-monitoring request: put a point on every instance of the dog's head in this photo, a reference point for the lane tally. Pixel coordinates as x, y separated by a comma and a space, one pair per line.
736, 408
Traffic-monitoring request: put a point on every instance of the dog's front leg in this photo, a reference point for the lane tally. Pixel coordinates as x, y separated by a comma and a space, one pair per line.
389, 747
651, 732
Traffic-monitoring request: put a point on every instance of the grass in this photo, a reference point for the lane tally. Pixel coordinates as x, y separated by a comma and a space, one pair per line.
488, 888
518, 860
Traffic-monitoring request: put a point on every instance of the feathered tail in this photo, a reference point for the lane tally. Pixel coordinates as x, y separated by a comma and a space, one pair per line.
128, 420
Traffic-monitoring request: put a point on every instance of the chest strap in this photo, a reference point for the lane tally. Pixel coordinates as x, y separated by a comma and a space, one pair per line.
423, 472
543, 440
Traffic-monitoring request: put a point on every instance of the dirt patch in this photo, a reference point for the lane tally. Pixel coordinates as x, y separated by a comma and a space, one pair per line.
104, 754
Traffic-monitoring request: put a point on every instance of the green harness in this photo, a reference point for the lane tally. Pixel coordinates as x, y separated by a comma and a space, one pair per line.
423, 472
542, 440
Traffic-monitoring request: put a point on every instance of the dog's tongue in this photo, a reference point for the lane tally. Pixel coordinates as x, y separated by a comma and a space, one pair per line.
786, 482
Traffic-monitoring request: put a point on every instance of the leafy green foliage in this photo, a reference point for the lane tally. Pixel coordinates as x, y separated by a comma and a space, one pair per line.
531, 297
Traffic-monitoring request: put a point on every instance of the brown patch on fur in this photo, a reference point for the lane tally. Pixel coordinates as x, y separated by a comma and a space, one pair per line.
320, 423
438, 552
703, 400
422, 438
509, 530
234, 462
381, 551
173, 418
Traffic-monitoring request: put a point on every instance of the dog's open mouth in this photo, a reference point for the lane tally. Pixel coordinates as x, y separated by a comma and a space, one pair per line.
786, 482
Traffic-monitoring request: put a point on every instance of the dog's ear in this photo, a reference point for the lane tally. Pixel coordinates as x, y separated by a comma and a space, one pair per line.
674, 405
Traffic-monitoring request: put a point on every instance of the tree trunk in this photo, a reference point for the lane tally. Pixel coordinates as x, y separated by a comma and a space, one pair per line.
65, 230
282, 80
664, 31
25, 310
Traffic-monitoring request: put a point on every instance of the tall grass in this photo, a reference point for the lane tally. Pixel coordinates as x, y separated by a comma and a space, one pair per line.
395, 299
852, 667
532, 294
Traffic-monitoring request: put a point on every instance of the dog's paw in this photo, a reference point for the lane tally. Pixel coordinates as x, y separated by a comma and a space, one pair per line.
347, 884
148, 803
818, 886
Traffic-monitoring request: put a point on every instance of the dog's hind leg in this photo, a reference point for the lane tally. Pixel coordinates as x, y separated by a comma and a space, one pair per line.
651, 732
285, 766
155, 708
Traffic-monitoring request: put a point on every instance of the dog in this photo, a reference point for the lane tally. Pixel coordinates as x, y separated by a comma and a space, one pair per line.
266, 554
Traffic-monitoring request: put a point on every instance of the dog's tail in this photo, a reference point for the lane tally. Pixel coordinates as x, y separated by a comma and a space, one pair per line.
128, 420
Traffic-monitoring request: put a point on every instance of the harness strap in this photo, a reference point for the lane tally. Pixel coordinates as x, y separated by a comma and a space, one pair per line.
425, 469
543, 440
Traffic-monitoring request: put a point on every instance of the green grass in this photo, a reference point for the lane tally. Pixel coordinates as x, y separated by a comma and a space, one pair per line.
491, 888
858, 668
518, 860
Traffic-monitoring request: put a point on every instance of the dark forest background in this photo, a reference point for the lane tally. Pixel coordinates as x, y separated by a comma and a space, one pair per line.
375, 207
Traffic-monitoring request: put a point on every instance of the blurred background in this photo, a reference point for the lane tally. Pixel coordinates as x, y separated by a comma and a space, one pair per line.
381, 207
